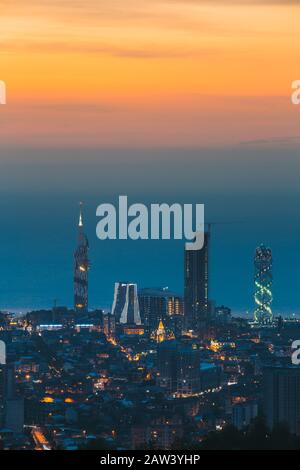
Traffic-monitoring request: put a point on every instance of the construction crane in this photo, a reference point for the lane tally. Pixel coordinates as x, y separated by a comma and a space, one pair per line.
209, 224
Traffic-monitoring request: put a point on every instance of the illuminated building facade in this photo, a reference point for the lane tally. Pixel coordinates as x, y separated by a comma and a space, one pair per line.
81, 266
135, 330
125, 307
109, 325
160, 335
159, 304
196, 287
263, 285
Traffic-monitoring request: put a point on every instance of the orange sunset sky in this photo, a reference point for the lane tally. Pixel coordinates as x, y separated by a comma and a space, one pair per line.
149, 73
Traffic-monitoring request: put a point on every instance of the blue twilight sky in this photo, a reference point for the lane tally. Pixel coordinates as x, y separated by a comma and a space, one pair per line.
255, 190
165, 101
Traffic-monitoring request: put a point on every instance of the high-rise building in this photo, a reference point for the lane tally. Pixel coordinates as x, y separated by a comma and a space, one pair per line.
181, 372
2, 352
11, 404
125, 306
167, 365
109, 325
244, 413
263, 285
14, 414
158, 304
281, 391
222, 315
196, 287
81, 266
178, 368
2, 392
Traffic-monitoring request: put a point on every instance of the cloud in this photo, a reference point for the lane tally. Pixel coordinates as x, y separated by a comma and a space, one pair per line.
144, 52
279, 141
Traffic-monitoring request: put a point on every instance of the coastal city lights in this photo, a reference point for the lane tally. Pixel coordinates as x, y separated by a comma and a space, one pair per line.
149, 232
156, 369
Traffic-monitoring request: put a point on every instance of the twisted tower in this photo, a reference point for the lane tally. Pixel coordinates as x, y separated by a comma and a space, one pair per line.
263, 285
81, 266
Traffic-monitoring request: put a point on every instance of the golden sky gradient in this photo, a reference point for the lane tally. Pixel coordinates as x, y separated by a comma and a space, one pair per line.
149, 73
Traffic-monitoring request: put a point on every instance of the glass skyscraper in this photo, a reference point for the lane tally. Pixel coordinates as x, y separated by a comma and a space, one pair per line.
196, 287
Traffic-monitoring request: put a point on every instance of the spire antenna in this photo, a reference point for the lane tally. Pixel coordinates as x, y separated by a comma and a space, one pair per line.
80, 215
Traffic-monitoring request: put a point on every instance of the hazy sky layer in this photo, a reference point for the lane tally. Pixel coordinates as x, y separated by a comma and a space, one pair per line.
162, 100
256, 195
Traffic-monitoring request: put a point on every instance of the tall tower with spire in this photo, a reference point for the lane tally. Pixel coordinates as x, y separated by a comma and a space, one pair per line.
81, 267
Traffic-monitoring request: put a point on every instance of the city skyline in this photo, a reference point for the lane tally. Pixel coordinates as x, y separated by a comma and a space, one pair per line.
80, 261
156, 102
